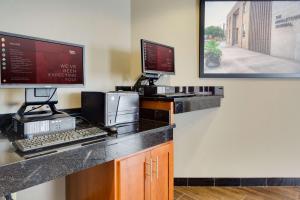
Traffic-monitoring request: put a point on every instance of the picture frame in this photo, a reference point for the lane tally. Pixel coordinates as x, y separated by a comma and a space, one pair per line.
261, 39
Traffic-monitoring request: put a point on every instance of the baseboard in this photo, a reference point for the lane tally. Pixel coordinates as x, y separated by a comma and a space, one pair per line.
236, 182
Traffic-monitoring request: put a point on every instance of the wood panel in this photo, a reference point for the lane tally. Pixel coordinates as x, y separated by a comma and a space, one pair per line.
237, 193
134, 177
162, 173
92, 184
160, 105
171, 170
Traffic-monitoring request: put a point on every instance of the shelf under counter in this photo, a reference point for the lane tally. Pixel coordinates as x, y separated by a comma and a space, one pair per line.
178, 105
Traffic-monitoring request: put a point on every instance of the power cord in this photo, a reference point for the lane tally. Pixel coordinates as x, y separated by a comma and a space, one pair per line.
35, 108
8, 197
139, 82
84, 119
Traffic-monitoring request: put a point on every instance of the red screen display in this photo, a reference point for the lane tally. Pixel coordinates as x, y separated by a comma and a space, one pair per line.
28, 61
158, 57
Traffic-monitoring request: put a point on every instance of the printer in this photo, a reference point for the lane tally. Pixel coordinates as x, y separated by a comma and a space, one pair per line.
110, 108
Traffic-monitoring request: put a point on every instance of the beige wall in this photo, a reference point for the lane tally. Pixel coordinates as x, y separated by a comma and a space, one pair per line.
103, 26
255, 133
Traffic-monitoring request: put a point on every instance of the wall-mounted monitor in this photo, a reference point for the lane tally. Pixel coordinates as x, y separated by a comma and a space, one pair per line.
157, 58
251, 39
29, 62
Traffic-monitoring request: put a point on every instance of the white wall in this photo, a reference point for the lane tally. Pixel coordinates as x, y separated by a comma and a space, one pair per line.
255, 133
103, 26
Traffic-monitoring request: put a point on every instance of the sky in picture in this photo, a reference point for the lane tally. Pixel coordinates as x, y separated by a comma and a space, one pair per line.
216, 12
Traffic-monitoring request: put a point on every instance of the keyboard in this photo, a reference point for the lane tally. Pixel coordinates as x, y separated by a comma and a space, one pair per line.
59, 138
177, 95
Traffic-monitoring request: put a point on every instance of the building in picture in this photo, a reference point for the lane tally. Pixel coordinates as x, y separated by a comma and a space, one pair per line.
285, 39
249, 26
269, 27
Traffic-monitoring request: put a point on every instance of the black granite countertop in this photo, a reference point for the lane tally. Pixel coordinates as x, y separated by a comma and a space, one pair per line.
191, 103
18, 172
176, 99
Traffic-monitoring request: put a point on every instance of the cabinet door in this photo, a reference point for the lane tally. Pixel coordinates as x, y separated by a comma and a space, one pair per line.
134, 177
162, 180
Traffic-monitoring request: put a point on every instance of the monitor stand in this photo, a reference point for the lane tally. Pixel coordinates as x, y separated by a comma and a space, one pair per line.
39, 97
26, 124
152, 78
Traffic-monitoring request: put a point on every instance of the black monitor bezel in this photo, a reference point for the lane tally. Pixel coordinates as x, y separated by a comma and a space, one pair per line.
144, 71
33, 85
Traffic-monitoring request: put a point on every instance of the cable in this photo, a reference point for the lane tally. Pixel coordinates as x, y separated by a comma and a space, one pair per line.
139, 82
35, 108
8, 197
84, 119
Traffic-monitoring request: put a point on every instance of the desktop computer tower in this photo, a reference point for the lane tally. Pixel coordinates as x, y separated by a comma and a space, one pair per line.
29, 126
110, 108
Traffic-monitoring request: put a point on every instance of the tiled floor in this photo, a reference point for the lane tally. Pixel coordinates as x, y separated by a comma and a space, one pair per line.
237, 193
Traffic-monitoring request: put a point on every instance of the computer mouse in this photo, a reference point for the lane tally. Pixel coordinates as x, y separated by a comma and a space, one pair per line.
113, 129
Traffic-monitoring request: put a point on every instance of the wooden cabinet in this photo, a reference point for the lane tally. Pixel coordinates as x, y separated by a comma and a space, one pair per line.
133, 177
160, 158
147, 175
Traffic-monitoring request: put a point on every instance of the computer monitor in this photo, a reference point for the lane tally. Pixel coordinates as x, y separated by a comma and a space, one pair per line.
39, 66
28, 62
157, 58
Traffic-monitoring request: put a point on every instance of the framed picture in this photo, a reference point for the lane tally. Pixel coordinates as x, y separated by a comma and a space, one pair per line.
249, 39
